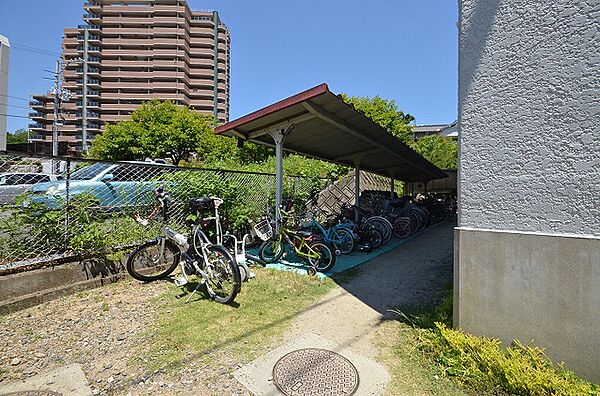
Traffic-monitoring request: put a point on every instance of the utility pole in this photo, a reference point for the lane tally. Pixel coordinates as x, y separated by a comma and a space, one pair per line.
56, 91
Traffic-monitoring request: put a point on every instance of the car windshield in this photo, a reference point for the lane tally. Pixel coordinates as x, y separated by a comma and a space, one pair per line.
89, 172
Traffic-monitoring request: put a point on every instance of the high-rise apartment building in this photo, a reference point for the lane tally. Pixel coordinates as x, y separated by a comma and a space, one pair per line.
4, 55
136, 51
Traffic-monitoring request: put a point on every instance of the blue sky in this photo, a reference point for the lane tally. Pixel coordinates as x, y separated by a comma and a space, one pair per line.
404, 50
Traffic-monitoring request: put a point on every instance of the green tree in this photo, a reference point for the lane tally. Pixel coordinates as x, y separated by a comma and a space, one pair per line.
18, 136
384, 112
162, 129
441, 151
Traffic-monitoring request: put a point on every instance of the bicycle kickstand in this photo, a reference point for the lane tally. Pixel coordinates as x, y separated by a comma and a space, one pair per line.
194, 292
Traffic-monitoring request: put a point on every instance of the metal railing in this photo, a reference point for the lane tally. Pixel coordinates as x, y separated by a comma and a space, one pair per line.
89, 207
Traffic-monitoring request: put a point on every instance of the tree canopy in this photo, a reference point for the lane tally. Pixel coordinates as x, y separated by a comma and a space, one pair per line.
441, 151
384, 112
158, 130
18, 136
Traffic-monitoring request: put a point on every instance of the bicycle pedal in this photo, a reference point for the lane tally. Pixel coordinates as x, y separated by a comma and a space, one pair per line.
181, 281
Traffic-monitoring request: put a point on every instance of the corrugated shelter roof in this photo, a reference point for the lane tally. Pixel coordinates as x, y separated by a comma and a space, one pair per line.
323, 126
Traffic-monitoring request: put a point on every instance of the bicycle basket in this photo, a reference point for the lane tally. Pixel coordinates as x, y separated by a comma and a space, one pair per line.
264, 230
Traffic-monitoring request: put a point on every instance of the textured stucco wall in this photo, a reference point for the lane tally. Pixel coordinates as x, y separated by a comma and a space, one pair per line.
529, 115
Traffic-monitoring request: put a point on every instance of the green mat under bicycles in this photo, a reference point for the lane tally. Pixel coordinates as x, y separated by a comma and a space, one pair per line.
290, 262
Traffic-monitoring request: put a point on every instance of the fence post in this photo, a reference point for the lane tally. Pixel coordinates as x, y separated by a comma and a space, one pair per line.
67, 203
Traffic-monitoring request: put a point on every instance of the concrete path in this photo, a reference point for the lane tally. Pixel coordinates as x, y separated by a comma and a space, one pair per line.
348, 317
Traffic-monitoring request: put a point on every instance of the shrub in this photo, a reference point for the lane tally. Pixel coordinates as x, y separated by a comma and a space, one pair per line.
482, 363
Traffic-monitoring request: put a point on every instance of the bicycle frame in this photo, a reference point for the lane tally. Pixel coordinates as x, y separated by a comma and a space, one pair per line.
284, 234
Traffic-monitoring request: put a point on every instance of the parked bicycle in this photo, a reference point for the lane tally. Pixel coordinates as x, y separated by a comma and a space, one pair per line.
213, 264
339, 235
306, 245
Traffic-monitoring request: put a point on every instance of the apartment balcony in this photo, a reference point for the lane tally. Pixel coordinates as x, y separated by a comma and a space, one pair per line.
116, 9
90, 104
120, 106
201, 62
126, 74
116, 20
107, 31
172, 31
202, 41
201, 103
168, 85
125, 42
91, 37
126, 96
90, 27
37, 115
168, 8
93, 59
107, 52
36, 138
90, 81
36, 126
36, 104
92, 5
120, 85
94, 125
90, 92
90, 115
171, 20
89, 17
91, 70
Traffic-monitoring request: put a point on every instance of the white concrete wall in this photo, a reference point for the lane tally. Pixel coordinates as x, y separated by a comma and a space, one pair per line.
529, 105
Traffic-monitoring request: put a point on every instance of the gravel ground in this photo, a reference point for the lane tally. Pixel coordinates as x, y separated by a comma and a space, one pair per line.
101, 330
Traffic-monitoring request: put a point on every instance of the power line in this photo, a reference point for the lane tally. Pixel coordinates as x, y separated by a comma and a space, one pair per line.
33, 50
15, 97
18, 107
12, 115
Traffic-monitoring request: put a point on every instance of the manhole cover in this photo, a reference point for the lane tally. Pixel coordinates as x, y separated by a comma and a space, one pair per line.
311, 371
33, 393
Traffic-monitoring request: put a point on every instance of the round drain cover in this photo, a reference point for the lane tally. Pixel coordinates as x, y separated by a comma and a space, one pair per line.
311, 371
33, 393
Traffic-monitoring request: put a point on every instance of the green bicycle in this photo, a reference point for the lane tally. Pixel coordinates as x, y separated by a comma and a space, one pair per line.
306, 245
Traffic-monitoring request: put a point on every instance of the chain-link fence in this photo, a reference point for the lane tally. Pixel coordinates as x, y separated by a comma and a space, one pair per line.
56, 208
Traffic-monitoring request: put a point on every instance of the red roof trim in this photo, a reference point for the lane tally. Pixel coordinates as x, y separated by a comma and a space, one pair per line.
282, 104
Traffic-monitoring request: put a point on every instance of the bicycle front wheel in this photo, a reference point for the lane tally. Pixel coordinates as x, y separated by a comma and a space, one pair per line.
150, 261
324, 260
344, 240
224, 281
271, 250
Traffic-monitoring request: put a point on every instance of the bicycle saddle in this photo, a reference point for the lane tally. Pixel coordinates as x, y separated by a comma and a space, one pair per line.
202, 203
304, 234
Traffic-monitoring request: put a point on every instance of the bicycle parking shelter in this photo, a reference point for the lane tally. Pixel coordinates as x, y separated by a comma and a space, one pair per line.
319, 124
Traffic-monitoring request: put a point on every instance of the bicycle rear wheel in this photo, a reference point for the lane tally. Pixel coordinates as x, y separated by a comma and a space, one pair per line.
147, 263
224, 280
326, 259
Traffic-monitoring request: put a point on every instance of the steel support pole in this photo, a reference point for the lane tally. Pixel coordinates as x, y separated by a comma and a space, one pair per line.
278, 136
356, 187
392, 186
56, 91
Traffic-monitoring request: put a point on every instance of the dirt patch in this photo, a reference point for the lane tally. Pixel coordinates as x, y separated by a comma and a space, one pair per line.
102, 330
